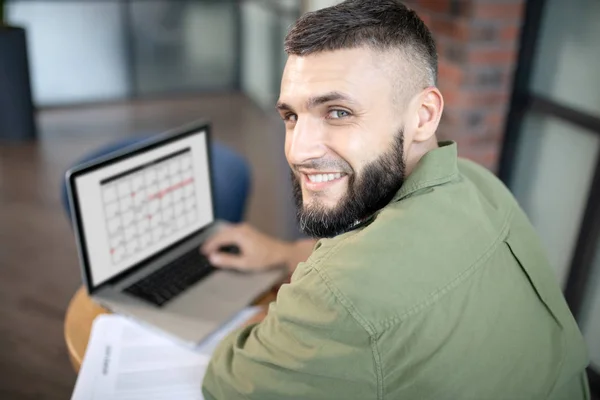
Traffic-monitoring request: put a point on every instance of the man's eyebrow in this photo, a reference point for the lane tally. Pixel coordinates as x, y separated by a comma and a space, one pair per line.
317, 100
326, 98
283, 106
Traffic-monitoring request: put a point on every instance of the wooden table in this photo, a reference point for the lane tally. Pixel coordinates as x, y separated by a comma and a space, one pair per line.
81, 314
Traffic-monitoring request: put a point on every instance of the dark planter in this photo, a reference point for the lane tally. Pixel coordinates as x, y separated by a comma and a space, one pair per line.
17, 117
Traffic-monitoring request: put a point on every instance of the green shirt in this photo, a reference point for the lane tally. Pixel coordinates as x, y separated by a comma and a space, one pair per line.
444, 294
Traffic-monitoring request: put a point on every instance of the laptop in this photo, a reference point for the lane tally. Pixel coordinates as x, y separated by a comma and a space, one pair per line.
140, 216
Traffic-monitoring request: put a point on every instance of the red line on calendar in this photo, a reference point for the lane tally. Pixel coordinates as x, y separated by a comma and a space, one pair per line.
171, 188
149, 205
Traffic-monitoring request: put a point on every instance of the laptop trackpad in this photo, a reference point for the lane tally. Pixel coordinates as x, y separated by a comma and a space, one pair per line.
221, 294
202, 308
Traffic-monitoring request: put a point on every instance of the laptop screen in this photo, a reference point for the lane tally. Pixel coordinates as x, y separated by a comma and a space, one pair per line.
138, 206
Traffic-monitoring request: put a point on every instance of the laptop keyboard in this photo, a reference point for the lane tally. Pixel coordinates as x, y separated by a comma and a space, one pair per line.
167, 282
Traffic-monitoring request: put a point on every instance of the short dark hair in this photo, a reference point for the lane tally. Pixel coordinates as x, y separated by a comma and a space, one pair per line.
379, 24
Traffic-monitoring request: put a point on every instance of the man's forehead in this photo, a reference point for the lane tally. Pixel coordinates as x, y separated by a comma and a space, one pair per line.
346, 61
348, 70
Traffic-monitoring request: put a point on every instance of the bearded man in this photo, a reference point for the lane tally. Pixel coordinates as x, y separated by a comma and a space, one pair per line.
427, 281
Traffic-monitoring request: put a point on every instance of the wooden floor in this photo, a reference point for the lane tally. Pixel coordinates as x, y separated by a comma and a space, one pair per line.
39, 270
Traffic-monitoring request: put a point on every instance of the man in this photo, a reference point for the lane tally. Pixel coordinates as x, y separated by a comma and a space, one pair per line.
428, 282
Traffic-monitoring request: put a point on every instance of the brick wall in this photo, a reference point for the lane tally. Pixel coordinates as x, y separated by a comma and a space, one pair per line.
477, 45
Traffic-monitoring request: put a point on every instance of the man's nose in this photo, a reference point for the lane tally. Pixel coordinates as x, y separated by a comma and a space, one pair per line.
306, 141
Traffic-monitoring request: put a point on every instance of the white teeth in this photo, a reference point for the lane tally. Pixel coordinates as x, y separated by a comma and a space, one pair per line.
324, 177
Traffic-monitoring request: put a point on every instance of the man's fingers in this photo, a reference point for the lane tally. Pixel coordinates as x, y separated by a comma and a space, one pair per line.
224, 237
228, 261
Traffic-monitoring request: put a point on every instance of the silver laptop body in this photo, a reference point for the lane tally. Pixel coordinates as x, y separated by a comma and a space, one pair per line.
136, 211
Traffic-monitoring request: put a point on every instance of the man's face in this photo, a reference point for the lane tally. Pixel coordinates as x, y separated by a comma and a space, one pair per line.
343, 137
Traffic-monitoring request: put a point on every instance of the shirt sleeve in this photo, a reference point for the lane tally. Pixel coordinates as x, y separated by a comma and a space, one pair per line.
308, 347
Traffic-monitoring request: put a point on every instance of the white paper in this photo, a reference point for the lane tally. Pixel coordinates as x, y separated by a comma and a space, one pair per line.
125, 361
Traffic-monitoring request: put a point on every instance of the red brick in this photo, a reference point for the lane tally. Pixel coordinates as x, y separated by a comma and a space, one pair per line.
483, 33
488, 139
481, 136
451, 118
510, 33
480, 121
452, 95
426, 17
440, 47
449, 73
496, 119
486, 77
450, 28
504, 11
492, 56
455, 52
477, 42
437, 6
484, 98
484, 154
461, 8
461, 99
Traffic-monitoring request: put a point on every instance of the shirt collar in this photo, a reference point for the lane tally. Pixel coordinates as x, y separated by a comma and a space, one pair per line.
435, 168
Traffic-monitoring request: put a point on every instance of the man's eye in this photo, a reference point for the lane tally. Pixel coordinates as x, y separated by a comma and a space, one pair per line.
337, 114
290, 117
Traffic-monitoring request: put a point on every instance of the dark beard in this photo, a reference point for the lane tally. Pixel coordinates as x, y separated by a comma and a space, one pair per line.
366, 194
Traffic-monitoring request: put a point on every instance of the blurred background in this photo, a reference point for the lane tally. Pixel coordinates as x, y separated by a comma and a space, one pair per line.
520, 79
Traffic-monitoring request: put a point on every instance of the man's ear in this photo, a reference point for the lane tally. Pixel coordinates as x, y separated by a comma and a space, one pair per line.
429, 113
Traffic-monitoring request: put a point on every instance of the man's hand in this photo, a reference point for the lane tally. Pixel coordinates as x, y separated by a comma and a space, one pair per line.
258, 251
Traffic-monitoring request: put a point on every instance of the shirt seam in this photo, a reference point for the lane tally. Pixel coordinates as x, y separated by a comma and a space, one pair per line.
378, 366
360, 320
421, 185
435, 296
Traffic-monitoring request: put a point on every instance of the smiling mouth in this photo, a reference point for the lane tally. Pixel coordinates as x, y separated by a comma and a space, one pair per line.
319, 182
318, 178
